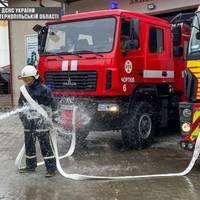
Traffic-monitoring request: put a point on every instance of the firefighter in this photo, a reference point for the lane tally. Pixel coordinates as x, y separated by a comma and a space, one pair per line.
35, 125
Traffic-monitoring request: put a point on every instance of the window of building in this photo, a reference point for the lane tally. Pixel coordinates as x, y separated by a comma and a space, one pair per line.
156, 40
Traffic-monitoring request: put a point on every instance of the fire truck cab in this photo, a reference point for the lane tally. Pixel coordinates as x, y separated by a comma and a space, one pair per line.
190, 109
122, 69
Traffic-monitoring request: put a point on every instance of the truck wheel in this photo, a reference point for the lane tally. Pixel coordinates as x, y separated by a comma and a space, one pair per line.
139, 126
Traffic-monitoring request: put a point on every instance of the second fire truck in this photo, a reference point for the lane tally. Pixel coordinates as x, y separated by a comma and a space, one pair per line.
190, 109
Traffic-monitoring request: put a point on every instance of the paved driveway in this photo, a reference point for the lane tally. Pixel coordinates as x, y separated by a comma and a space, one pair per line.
103, 154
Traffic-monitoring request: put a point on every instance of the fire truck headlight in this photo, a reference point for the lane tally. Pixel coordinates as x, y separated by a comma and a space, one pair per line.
183, 145
114, 108
187, 112
108, 107
186, 127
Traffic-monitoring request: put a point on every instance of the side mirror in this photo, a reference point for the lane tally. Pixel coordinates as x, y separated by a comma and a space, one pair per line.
37, 28
198, 35
178, 51
42, 33
177, 35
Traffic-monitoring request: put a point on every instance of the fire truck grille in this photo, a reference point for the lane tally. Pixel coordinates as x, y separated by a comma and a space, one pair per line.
71, 80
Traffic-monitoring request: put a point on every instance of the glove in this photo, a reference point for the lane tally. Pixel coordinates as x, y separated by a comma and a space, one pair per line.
55, 118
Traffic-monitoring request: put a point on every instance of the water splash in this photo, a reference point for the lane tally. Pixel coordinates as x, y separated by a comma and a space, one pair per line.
13, 112
84, 118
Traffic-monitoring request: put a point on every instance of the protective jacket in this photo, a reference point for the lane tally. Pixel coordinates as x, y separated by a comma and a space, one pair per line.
43, 96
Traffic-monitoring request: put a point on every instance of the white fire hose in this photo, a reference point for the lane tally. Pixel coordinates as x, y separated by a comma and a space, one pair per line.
13, 112
72, 148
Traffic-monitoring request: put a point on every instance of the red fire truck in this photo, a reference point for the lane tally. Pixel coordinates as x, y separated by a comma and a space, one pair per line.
121, 68
190, 110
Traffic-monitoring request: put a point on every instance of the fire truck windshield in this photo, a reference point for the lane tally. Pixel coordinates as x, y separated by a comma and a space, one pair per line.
194, 45
85, 36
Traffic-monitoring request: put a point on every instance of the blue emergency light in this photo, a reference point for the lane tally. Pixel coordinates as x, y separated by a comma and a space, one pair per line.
114, 5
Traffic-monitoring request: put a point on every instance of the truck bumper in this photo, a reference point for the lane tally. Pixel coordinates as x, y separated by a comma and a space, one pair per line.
104, 113
189, 124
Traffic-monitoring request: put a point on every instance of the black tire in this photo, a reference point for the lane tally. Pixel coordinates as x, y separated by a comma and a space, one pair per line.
139, 126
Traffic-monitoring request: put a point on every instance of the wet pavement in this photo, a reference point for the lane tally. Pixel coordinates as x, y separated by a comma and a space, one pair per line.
103, 154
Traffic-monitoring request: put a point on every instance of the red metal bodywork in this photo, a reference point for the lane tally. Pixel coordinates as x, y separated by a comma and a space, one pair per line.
179, 67
155, 69
114, 61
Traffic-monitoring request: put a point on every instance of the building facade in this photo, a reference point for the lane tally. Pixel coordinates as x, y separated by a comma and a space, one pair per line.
20, 29
145, 6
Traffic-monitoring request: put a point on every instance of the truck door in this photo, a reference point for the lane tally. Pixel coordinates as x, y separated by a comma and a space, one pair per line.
131, 56
159, 63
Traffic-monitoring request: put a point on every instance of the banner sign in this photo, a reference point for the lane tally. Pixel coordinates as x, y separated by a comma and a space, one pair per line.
31, 48
4, 47
30, 13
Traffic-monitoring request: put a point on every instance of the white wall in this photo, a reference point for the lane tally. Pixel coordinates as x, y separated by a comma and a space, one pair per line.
4, 47
162, 6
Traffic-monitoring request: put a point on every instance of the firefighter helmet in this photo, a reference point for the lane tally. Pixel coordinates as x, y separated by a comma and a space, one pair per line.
28, 71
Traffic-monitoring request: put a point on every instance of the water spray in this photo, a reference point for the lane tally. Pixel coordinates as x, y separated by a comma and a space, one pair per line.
13, 112
73, 144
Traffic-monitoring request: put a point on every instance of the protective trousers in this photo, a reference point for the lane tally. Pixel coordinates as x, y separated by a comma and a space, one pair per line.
45, 146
